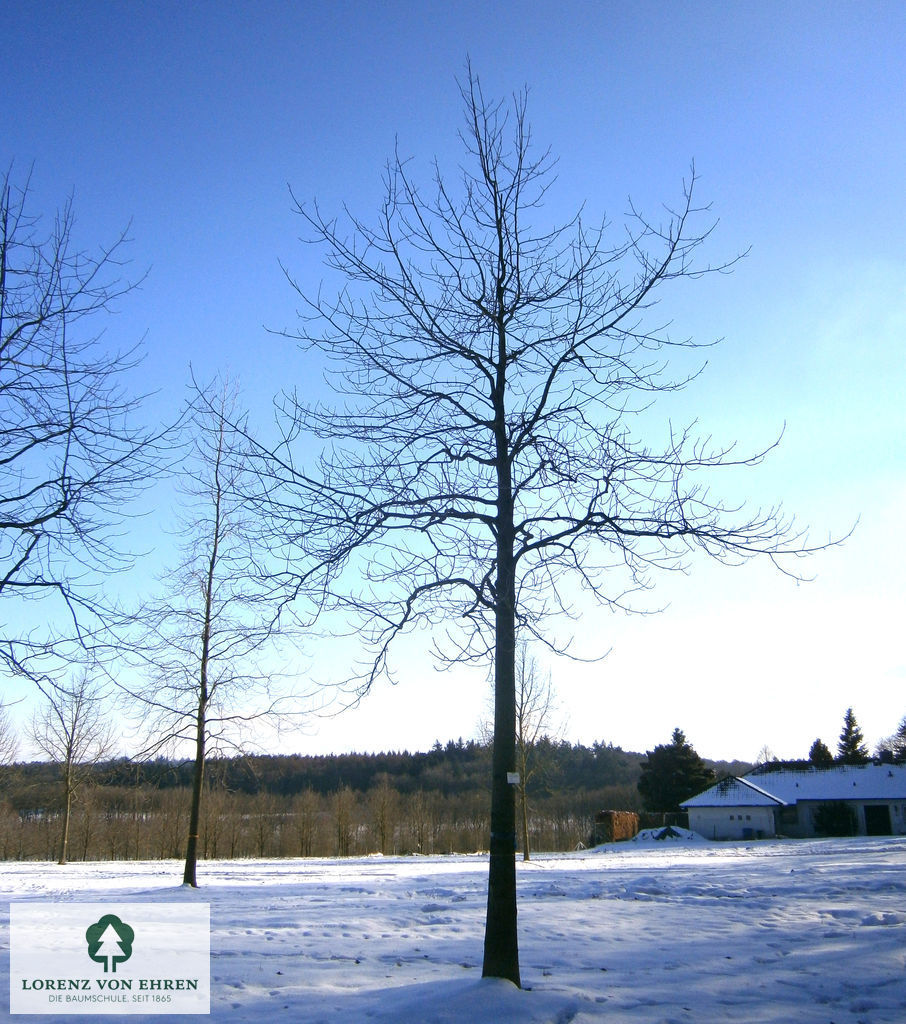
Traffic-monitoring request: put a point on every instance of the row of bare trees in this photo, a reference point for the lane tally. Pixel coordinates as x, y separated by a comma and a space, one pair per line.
72, 730
136, 824
493, 452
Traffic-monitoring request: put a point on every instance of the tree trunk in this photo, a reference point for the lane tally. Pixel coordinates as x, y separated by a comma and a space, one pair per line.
189, 872
204, 691
501, 945
523, 797
501, 941
67, 813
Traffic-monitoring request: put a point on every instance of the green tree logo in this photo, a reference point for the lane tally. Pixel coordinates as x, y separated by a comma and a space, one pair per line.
109, 942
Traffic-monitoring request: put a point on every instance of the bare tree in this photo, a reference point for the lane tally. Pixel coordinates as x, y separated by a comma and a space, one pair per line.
384, 807
535, 707
344, 806
489, 369
893, 748
211, 640
8, 742
764, 756
70, 456
305, 812
74, 731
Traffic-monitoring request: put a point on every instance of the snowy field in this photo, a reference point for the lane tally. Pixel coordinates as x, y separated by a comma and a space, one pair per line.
670, 931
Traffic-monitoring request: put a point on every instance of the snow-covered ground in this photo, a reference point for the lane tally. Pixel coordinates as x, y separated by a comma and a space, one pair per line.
650, 931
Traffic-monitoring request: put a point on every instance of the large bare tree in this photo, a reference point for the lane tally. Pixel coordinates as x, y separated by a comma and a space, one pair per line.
483, 450
71, 455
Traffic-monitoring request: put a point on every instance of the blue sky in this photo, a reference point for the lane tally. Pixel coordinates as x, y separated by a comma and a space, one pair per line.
191, 119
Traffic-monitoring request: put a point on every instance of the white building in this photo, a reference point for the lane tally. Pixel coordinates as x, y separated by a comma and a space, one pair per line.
800, 801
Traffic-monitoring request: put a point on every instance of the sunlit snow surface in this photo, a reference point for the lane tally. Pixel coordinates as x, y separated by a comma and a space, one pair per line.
657, 931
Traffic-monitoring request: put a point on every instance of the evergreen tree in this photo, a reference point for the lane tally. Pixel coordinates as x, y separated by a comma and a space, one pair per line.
851, 747
672, 773
819, 753
899, 742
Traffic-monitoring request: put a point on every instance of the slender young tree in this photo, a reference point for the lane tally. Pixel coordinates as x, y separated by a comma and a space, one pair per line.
8, 742
71, 456
488, 368
535, 706
212, 639
73, 730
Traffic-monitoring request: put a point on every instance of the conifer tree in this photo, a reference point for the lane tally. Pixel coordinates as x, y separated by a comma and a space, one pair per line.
672, 773
819, 753
851, 748
899, 741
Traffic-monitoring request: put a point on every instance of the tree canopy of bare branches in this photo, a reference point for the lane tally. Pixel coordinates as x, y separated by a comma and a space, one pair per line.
483, 450
8, 742
70, 455
72, 729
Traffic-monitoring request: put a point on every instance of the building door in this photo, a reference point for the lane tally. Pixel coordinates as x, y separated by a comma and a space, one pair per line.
877, 820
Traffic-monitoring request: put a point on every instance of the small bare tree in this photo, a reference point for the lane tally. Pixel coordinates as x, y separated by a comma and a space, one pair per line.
74, 731
8, 743
764, 756
893, 748
384, 807
535, 708
70, 455
209, 642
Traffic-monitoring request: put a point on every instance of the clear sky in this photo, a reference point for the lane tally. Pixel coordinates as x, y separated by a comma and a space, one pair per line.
190, 119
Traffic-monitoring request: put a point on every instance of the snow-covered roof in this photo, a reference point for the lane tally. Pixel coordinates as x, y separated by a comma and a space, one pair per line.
839, 782
734, 792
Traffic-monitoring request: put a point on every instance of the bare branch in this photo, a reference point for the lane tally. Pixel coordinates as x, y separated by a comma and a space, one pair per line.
71, 457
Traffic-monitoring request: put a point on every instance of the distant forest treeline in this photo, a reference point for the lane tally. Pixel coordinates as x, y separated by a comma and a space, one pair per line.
333, 805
